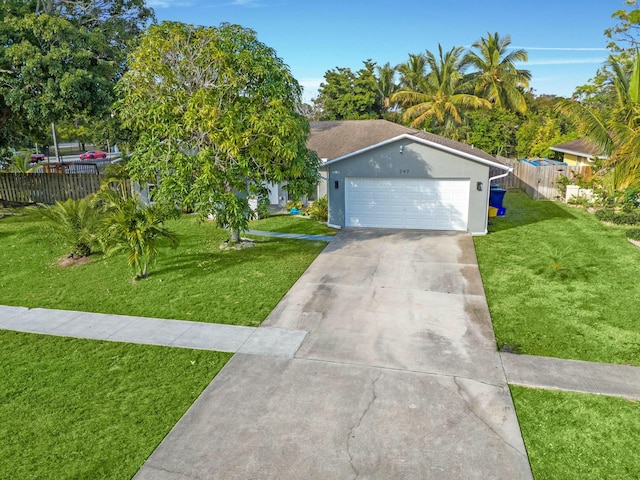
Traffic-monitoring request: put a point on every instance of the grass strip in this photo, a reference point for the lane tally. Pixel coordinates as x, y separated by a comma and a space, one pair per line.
75, 408
575, 436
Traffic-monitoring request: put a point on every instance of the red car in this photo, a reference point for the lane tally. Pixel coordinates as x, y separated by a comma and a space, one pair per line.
36, 157
93, 154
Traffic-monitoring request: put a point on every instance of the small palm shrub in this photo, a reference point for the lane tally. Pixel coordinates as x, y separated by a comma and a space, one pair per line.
318, 210
134, 228
74, 224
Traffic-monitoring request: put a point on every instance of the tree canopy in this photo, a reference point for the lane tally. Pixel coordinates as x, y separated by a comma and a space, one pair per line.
214, 110
348, 95
62, 57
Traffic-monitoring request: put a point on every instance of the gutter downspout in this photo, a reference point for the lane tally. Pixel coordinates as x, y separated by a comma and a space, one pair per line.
502, 175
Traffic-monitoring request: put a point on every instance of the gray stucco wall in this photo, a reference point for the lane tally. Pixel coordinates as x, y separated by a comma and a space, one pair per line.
415, 161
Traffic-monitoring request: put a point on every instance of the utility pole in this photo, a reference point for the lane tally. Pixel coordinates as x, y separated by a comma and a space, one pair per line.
55, 142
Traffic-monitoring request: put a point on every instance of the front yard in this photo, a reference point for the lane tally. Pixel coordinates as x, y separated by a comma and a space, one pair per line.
80, 409
76, 408
197, 281
560, 283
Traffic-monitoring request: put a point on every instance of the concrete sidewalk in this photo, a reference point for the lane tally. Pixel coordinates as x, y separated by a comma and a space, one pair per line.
524, 370
572, 375
275, 342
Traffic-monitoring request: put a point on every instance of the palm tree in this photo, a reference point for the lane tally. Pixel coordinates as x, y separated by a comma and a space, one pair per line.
386, 84
496, 78
134, 228
442, 97
617, 131
74, 223
413, 71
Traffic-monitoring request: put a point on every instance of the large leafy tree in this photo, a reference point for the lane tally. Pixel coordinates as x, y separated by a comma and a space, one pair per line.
442, 100
215, 114
62, 57
496, 76
348, 95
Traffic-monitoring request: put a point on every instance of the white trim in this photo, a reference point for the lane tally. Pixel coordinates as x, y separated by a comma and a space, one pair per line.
337, 227
588, 156
407, 136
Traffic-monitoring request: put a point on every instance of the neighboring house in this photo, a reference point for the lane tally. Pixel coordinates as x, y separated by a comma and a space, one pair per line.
380, 174
579, 152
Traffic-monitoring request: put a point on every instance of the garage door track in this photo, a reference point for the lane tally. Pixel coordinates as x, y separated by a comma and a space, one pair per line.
398, 376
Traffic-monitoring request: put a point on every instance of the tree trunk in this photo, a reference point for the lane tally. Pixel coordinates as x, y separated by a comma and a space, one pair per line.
234, 235
5, 115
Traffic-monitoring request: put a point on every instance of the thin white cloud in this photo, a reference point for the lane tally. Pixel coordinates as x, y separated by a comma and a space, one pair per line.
168, 3
565, 49
566, 61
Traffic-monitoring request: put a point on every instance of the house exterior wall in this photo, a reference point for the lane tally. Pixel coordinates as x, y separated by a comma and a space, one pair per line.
575, 160
413, 160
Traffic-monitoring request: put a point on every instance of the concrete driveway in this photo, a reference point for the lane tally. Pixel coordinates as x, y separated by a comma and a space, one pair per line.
398, 376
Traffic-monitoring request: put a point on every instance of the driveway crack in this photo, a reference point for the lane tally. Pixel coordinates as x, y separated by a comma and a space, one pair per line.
471, 409
350, 435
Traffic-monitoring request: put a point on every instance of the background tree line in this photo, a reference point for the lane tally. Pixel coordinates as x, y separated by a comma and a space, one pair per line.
479, 96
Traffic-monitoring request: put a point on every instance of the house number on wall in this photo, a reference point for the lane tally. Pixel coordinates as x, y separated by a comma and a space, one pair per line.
404, 172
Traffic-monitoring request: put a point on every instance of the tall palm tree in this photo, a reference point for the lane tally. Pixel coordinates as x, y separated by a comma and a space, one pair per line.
617, 131
443, 96
496, 77
386, 84
413, 71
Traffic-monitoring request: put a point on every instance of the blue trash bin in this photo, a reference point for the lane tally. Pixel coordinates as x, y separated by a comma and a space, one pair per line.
496, 196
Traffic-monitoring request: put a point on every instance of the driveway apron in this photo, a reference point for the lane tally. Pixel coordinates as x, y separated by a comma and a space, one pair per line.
398, 376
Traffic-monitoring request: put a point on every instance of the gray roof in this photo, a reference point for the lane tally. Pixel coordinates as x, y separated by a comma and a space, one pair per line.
582, 147
334, 139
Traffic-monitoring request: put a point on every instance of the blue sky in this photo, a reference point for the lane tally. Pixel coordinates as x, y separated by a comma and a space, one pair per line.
564, 39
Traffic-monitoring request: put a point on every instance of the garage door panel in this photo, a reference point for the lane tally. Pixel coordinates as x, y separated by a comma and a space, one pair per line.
432, 204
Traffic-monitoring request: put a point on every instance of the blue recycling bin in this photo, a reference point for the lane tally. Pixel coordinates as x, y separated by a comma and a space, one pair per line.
496, 196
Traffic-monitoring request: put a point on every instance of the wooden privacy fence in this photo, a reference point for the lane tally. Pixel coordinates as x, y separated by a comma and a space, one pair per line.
540, 183
46, 188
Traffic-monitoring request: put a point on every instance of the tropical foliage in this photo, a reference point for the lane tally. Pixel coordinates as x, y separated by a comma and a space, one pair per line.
134, 228
61, 56
73, 223
215, 114
442, 97
616, 130
496, 76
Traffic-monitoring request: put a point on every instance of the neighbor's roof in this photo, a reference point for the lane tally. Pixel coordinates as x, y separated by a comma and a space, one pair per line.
333, 140
583, 147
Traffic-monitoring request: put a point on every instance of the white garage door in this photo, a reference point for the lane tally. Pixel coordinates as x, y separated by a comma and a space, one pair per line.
429, 204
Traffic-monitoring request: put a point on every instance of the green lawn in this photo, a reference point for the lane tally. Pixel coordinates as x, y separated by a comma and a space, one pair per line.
197, 281
574, 436
290, 224
560, 283
83, 409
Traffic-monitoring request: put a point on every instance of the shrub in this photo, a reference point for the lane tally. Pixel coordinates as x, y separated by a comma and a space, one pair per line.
135, 229
605, 215
627, 218
297, 205
634, 234
618, 218
73, 223
318, 210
